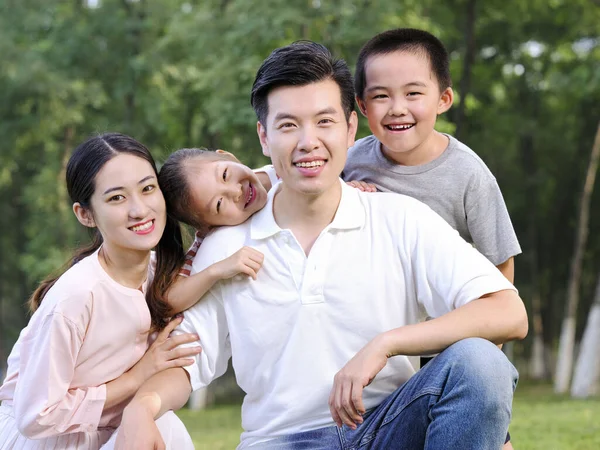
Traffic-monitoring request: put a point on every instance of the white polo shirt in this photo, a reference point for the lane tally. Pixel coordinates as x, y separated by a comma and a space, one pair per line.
385, 261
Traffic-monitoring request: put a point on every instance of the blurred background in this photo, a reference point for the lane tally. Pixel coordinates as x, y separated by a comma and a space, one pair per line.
178, 74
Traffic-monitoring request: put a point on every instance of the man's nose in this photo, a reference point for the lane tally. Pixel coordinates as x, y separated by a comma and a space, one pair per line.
309, 139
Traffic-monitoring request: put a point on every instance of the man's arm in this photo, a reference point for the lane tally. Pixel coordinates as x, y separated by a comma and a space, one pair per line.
497, 317
165, 391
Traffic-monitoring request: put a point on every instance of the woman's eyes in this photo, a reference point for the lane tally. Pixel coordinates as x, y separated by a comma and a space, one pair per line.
116, 198
149, 188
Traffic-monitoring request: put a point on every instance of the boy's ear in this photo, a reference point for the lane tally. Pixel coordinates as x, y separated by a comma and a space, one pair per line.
262, 136
84, 215
227, 154
361, 105
446, 100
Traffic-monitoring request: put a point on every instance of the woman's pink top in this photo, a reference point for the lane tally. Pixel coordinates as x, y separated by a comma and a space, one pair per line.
88, 331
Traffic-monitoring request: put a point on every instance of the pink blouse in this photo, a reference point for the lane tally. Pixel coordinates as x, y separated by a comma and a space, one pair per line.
88, 331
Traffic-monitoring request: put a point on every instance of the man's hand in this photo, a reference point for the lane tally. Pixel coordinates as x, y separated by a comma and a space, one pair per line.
362, 186
247, 261
345, 400
138, 429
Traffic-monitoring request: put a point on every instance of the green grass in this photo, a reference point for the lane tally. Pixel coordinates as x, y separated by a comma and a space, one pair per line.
541, 421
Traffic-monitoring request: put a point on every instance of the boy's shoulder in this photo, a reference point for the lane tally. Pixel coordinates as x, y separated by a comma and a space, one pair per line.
463, 157
363, 148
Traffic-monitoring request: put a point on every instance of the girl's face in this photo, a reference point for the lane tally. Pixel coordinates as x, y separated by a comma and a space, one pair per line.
127, 205
224, 192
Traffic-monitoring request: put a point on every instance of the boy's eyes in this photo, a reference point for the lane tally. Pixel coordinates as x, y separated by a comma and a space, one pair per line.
413, 94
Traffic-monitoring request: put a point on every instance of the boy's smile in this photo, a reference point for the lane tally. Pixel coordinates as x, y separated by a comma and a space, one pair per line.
401, 102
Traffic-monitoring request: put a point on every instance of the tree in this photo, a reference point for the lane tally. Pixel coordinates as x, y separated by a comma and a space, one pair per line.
564, 364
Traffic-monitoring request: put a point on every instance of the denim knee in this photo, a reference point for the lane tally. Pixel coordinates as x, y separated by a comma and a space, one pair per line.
485, 368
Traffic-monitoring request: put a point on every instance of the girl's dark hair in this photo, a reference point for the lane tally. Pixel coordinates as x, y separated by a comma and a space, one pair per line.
173, 181
83, 167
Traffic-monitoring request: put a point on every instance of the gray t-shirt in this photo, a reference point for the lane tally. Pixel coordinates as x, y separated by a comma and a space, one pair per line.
457, 185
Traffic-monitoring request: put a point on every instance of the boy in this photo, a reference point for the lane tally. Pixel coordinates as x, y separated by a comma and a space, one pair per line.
402, 83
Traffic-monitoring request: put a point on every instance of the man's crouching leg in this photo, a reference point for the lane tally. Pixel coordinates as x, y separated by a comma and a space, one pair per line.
461, 400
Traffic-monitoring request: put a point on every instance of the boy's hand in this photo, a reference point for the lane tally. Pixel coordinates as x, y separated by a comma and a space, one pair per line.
246, 261
165, 352
362, 186
345, 401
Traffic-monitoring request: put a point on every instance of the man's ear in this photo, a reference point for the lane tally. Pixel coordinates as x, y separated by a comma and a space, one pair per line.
262, 136
446, 100
361, 105
352, 128
228, 155
84, 215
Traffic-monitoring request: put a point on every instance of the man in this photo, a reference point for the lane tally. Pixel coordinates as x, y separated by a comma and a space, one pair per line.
322, 336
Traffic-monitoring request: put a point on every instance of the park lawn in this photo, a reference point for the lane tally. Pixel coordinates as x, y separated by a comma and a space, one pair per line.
541, 421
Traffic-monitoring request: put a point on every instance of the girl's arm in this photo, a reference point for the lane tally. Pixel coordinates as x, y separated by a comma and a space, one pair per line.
188, 290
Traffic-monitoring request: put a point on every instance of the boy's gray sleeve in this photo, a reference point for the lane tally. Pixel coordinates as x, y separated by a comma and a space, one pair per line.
488, 221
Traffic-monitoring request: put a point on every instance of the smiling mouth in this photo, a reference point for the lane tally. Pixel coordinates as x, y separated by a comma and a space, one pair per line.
143, 227
403, 127
250, 195
310, 164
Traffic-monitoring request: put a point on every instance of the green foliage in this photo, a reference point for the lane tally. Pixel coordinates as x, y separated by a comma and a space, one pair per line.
177, 73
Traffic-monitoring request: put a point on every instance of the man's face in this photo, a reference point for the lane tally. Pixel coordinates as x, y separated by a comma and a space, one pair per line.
307, 136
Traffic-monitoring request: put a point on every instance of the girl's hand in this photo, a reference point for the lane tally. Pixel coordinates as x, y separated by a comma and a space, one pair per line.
245, 261
362, 186
165, 352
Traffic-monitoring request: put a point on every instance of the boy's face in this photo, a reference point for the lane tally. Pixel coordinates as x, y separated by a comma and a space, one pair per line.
401, 101
307, 136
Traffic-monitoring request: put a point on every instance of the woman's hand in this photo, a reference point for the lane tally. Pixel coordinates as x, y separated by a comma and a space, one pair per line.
165, 352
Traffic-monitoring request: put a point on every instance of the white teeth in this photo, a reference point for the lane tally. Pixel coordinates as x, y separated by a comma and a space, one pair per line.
310, 164
399, 127
143, 227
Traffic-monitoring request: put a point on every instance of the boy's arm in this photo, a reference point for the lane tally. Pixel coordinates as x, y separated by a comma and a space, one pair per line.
188, 290
508, 269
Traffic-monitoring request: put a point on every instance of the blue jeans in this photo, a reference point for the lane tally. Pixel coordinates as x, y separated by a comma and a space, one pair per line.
462, 399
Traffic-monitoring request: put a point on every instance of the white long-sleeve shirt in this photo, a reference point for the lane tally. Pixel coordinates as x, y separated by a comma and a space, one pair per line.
385, 261
88, 331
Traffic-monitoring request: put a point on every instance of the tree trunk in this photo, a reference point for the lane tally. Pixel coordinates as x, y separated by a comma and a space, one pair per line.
587, 369
564, 364
469, 59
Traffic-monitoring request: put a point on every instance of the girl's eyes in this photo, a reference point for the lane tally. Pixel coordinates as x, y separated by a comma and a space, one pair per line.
225, 175
379, 96
219, 205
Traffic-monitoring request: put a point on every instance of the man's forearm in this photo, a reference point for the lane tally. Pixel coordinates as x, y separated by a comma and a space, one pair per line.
498, 317
165, 391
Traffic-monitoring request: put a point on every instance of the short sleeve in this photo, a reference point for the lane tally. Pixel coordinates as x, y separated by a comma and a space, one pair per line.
186, 269
488, 221
270, 171
447, 271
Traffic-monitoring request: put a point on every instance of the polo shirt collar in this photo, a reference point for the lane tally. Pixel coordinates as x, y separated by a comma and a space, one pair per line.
349, 215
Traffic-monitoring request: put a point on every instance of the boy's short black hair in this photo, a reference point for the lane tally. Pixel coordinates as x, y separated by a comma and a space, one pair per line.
299, 64
409, 40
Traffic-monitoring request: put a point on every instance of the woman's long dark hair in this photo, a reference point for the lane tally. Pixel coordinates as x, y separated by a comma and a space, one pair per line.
83, 167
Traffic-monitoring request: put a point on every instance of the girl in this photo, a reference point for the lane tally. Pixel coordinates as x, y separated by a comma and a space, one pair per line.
85, 350
206, 189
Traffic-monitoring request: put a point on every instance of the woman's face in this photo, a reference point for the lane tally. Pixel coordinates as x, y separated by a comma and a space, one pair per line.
224, 192
127, 206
